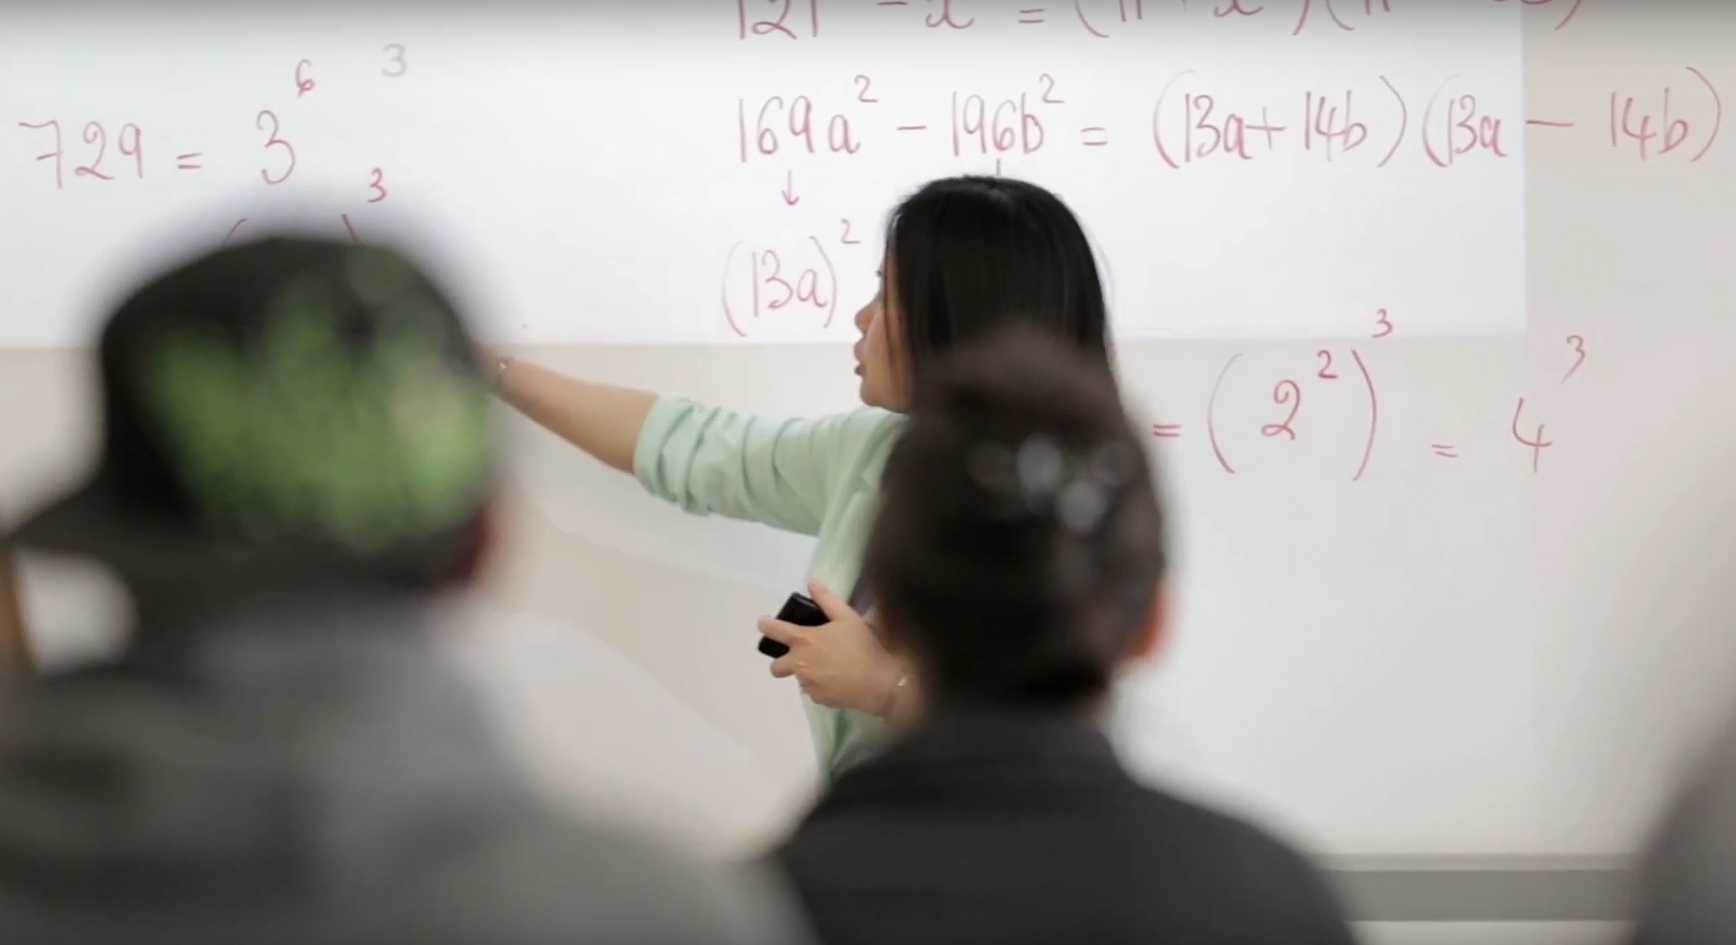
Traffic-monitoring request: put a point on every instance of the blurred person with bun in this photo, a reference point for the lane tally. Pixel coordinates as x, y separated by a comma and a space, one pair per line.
1019, 560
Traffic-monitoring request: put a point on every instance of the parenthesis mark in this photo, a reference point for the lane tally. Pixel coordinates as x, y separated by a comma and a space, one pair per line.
231, 234
1717, 116
1403, 120
1373, 414
831, 271
1079, 8
1157, 119
728, 313
1570, 13
1428, 118
1211, 415
1577, 343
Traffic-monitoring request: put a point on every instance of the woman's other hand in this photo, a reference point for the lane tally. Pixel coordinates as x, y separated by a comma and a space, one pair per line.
841, 664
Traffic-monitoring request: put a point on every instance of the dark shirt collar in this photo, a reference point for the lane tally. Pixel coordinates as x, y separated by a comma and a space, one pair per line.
952, 754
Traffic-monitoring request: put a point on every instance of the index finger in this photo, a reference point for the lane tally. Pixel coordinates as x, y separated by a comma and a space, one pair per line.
780, 630
835, 607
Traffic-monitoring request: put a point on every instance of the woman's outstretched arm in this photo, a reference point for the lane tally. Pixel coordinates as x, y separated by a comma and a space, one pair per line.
600, 419
707, 460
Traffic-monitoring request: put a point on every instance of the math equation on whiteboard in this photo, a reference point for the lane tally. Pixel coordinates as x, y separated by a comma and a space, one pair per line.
1246, 169
722, 172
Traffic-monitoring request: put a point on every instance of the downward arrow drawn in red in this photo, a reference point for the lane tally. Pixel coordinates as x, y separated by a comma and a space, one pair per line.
789, 191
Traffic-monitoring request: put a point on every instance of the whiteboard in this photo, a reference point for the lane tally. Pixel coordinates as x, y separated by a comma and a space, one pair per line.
628, 174
1440, 415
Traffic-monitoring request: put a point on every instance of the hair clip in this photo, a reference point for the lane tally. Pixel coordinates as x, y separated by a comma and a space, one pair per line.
1080, 506
1042, 466
1041, 479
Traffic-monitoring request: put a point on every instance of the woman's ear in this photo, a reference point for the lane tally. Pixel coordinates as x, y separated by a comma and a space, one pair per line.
1153, 629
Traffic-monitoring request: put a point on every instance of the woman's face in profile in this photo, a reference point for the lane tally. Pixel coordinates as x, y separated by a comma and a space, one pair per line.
879, 353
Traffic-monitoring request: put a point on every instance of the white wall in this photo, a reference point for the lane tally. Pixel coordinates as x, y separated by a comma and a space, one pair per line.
1448, 655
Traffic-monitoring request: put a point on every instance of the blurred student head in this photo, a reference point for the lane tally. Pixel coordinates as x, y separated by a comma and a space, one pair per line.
280, 417
1019, 553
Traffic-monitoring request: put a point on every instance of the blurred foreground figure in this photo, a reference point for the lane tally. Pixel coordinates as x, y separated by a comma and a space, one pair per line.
1017, 561
1688, 883
14, 641
298, 462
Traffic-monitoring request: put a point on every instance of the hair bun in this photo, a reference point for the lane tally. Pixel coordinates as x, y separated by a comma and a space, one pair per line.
1019, 538
1042, 479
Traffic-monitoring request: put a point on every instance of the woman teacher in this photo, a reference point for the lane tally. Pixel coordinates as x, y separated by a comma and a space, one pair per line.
965, 257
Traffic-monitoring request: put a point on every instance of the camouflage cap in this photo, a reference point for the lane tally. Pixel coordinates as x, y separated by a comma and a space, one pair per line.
283, 404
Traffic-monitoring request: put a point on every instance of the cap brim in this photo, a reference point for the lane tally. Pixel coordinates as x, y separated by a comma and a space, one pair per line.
91, 522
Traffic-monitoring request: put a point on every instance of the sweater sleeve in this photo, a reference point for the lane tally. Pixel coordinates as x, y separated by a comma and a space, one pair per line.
714, 461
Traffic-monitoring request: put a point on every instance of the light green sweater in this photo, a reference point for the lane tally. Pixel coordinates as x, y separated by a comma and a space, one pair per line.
814, 477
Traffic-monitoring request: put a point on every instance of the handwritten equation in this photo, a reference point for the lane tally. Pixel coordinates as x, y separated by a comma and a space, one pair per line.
1297, 407
788, 20
1192, 121
766, 184
1679, 120
76, 151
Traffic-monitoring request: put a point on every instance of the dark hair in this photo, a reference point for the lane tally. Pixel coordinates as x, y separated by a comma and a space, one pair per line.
971, 256
225, 299
1020, 538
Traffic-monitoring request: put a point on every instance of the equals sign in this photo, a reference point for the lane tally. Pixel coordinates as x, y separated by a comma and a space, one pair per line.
1096, 136
1031, 15
1443, 449
189, 161
1166, 431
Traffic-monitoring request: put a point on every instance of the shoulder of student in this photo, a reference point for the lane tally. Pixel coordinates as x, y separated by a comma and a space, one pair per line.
1689, 863
1288, 897
594, 883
